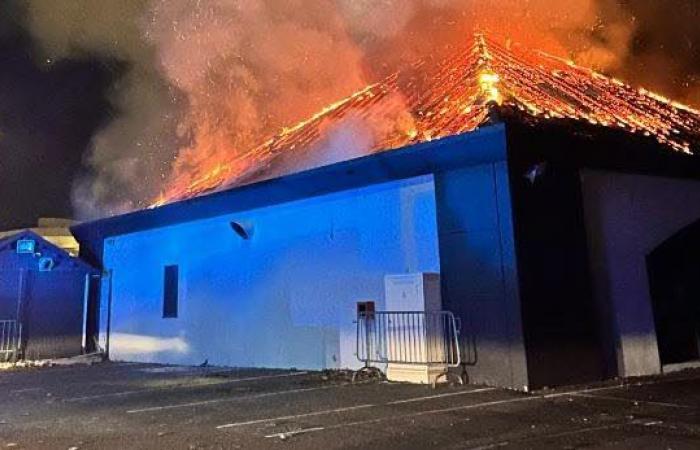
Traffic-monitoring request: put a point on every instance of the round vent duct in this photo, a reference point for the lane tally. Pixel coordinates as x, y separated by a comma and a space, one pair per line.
244, 231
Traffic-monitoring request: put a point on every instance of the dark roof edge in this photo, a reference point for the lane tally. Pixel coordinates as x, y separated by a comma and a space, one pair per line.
484, 145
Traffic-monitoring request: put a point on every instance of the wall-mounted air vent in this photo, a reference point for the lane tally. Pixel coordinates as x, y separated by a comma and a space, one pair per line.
244, 231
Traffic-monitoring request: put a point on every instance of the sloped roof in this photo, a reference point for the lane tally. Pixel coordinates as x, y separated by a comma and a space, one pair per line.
53, 230
7, 241
457, 95
487, 145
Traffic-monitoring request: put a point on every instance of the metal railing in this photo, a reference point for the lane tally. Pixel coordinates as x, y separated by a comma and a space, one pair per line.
10, 338
408, 337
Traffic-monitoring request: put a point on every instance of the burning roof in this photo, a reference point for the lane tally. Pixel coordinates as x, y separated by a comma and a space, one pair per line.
457, 95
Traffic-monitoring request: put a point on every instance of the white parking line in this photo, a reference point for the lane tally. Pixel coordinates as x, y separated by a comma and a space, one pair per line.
422, 413
413, 414
292, 433
454, 409
177, 386
634, 401
296, 416
21, 391
430, 397
598, 389
288, 392
351, 408
230, 399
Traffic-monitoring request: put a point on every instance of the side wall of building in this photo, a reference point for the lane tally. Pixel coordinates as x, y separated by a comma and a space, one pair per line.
48, 304
559, 322
627, 217
479, 275
284, 297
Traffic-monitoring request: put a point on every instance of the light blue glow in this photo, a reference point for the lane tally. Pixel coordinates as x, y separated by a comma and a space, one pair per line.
286, 296
26, 246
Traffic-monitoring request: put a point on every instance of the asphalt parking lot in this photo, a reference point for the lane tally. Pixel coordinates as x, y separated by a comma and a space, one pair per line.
133, 406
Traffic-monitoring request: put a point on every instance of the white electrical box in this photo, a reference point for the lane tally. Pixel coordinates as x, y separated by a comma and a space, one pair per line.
419, 292
413, 292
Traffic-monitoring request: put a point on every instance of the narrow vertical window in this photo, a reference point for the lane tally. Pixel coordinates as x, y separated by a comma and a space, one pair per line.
170, 292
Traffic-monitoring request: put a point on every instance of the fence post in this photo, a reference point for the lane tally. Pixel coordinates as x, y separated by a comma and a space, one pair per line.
21, 312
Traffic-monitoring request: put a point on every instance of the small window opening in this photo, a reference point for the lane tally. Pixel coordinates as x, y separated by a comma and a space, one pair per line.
170, 292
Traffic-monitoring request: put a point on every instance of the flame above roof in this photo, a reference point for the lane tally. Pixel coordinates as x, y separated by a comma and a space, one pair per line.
457, 95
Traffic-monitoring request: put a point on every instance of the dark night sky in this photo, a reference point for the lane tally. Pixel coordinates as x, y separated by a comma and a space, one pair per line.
47, 116
50, 110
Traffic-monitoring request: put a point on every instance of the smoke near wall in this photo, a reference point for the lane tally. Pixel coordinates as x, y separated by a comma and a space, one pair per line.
204, 79
129, 154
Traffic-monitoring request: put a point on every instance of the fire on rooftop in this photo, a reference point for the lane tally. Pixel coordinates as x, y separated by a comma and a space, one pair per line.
433, 100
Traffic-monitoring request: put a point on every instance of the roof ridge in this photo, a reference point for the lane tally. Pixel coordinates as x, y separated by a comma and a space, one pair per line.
454, 95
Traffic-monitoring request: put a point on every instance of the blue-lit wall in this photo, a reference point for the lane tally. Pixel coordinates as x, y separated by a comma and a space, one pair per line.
48, 304
285, 297
479, 274
627, 218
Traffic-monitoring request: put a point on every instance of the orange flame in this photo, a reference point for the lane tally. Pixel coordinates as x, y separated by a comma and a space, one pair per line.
455, 96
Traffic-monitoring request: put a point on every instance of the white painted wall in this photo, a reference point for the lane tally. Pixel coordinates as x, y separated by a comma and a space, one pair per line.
284, 298
627, 217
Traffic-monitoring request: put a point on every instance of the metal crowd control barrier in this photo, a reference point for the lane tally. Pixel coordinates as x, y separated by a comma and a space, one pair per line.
10, 337
407, 337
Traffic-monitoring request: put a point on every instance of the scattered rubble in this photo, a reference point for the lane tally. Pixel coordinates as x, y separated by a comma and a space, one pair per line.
88, 359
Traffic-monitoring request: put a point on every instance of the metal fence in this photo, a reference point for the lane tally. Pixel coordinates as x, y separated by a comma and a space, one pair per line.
10, 338
408, 337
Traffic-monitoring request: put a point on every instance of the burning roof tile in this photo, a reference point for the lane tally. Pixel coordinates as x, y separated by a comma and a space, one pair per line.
457, 95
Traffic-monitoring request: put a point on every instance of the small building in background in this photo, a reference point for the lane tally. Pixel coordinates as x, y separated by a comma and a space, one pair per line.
55, 230
42, 296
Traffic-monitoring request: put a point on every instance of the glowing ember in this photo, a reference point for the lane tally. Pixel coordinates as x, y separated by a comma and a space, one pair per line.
455, 96
489, 86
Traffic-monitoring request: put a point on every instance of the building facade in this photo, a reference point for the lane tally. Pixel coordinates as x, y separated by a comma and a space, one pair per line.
42, 298
56, 231
542, 257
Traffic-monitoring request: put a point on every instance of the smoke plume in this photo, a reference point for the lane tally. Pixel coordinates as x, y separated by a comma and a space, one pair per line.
205, 80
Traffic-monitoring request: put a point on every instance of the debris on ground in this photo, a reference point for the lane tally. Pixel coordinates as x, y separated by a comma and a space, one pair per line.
343, 376
367, 374
289, 434
87, 359
167, 369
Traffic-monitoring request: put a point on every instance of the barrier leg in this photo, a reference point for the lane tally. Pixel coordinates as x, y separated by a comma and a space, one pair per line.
371, 372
